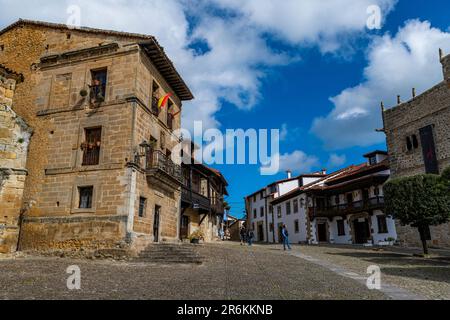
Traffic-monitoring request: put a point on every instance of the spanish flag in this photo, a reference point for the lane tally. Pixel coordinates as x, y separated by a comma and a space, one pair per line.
163, 101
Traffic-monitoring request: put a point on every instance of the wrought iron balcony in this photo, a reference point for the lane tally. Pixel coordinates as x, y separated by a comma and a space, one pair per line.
161, 167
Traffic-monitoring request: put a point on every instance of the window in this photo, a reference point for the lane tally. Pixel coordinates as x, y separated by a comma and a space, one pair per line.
86, 195
337, 200
142, 206
270, 208
254, 198
408, 143
373, 160
382, 224
279, 212
341, 228
261, 210
297, 226
91, 146
273, 189
255, 215
295, 206
288, 208
98, 86
262, 195
412, 142
169, 115
376, 191
155, 99
271, 227
415, 142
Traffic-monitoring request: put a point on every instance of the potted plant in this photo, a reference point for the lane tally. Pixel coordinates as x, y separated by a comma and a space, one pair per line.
83, 93
196, 237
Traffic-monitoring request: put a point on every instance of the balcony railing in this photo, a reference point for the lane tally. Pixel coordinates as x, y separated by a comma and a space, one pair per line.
196, 200
348, 208
158, 161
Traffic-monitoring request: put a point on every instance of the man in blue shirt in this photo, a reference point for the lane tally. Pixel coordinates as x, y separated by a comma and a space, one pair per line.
285, 234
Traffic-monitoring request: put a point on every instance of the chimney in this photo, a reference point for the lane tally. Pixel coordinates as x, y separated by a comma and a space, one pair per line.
289, 174
399, 100
413, 92
324, 172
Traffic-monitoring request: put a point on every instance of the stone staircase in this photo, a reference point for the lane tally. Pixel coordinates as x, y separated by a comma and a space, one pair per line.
170, 254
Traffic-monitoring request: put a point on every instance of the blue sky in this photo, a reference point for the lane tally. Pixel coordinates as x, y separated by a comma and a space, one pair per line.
309, 68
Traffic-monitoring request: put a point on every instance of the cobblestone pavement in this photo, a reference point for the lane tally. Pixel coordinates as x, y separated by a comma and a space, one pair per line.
429, 278
230, 272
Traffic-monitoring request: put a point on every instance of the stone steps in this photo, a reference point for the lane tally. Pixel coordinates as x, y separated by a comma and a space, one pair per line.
170, 254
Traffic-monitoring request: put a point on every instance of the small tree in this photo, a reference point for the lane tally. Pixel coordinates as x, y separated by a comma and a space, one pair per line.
420, 201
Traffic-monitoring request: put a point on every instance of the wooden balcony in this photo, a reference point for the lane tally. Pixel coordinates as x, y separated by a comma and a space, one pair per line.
162, 171
195, 200
344, 209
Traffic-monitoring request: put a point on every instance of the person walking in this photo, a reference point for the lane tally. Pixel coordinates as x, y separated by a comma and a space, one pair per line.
250, 237
243, 235
285, 234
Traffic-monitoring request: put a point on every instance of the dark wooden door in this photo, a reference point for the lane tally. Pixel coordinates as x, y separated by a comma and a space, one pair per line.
362, 233
260, 233
184, 230
322, 232
156, 223
429, 150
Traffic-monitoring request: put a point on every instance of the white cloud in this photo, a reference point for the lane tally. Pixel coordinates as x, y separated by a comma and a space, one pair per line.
239, 53
336, 160
308, 22
298, 162
284, 132
396, 65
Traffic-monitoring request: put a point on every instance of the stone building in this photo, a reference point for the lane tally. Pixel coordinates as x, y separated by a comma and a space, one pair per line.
418, 138
100, 173
202, 201
14, 140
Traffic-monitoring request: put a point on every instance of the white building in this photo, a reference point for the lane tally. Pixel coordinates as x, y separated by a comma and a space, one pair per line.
260, 214
345, 207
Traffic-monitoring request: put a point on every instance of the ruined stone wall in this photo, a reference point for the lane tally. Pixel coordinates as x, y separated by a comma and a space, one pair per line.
14, 140
430, 108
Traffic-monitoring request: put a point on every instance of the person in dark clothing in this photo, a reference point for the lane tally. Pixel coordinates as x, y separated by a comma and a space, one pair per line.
250, 237
285, 234
243, 235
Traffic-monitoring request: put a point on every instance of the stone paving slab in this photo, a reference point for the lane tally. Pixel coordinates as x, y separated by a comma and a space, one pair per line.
230, 272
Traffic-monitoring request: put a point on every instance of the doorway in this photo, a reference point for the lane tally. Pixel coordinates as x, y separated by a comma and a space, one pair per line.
260, 232
322, 232
280, 233
184, 229
156, 223
362, 231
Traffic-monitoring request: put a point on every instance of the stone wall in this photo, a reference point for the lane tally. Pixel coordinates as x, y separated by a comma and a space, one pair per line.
446, 67
405, 120
14, 140
51, 103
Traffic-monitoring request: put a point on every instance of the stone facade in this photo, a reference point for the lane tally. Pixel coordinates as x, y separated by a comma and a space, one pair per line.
403, 122
14, 140
69, 203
